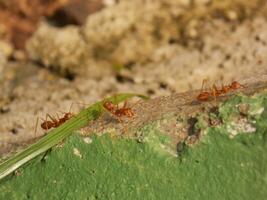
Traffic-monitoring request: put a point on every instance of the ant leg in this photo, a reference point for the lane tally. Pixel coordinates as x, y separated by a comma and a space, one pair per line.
57, 116
214, 94
116, 102
43, 119
119, 119
135, 104
125, 104
222, 88
125, 129
46, 121
216, 91
116, 117
77, 103
203, 83
132, 106
71, 107
52, 118
35, 129
62, 112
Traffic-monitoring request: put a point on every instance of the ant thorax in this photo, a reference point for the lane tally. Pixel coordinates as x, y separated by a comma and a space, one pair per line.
216, 92
116, 111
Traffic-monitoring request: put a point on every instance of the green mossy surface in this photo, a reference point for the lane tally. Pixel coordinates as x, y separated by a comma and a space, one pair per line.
218, 167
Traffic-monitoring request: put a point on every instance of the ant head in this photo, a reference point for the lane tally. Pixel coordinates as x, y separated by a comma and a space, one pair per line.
235, 85
68, 115
108, 105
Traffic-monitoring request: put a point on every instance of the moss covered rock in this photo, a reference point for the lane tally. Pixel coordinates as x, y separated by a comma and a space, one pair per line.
222, 165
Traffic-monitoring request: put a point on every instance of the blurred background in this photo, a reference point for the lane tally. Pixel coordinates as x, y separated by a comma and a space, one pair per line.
57, 52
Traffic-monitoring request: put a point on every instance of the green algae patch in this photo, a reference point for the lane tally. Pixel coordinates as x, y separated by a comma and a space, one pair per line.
108, 168
158, 141
229, 162
244, 115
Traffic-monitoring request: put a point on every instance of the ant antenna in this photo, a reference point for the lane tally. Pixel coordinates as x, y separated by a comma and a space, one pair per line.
71, 107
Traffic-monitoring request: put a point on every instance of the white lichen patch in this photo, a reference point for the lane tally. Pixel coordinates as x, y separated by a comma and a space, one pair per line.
87, 140
257, 111
169, 150
253, 108
76, 152
242, 126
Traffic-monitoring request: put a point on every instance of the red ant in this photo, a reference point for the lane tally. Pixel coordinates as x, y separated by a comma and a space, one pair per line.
118, 112
54, 123
46, 125
215, 92
233, 86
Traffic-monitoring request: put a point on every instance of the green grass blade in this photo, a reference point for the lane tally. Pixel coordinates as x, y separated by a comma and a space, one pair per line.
58, 134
